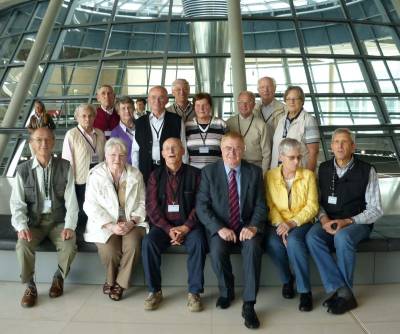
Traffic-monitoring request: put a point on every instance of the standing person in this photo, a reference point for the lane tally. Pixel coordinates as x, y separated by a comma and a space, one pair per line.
204, 133
115, 206
253, 130
269, 109
152, 130
106, 116
182, 106
83, 147
140, 108
170, 202
40, 119
126, 127
292, 198
43, 204
300, 125
231, 205
350, 203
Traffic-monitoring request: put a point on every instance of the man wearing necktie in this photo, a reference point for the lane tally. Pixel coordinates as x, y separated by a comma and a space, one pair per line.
230, 204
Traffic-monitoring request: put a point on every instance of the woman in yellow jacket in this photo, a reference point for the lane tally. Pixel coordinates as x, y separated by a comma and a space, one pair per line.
292, 199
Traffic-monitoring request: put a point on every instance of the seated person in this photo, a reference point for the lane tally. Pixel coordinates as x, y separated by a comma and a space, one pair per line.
43, 204
170, 202
40, 119
114, 204
292, 199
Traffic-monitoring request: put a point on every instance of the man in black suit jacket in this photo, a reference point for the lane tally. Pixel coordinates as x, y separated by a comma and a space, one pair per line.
214, 209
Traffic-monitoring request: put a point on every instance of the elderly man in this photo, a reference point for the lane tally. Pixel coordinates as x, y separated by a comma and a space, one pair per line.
350, 203
107, 117
269, 109
170, 204
253, 130
43, 204
152, 130
83, 147
182, 106
231, 205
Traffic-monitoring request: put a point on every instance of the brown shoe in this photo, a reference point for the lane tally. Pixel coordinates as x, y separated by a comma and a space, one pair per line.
116, 292
29, 298
57, 287
107, 288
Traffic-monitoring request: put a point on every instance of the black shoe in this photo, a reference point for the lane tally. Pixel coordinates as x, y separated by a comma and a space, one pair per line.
327, 302
250, 317
225, 302
306, 304
288, 289
340, 305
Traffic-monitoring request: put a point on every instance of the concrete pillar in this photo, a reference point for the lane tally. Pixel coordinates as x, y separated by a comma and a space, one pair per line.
237, 52
31, 65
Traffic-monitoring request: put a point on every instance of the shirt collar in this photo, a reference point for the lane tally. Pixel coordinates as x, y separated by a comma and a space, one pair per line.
348, 165
108, 111
123, 126
84, 132
36, 163
228, 169
151, 116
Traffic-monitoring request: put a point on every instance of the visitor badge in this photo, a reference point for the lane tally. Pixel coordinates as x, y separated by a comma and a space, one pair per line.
332, 200
204, 149
121, 214
107, 133
173, 208
47, 205
95, 158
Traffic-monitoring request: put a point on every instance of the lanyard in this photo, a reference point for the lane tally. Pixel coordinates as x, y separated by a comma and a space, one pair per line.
174, 193
87, 140
247, 131
203, 130
183, 113
46, 182
159, 129
335, 177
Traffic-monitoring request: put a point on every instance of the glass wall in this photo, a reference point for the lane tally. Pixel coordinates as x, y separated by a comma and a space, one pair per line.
345, 54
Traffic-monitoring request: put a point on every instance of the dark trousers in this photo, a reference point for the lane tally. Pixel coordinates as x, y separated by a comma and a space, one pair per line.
251, 251
157, 241
82, 218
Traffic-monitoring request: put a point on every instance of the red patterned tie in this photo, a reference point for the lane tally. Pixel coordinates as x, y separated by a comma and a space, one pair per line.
234, 210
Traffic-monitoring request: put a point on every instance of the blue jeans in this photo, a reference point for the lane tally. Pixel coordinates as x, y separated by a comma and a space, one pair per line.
337, 273
296, 254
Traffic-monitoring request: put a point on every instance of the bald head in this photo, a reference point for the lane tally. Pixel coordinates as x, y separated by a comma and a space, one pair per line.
172, 152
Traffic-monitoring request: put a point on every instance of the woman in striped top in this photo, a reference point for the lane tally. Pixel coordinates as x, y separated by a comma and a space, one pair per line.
204, 133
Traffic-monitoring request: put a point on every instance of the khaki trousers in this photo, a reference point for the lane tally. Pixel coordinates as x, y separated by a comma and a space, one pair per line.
119, 255
25, 250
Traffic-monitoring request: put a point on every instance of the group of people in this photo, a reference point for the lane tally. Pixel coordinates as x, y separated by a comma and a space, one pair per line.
145, 181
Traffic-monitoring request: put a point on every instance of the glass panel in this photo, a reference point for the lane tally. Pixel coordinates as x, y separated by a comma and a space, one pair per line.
19, 19
394, 15
319, 9
180, 68
137, 39
367, 10
81, 43
265, 8
37, 17
378, 40
63, 111
4, 16
270, 37
394, 67
179, 40
348, 110
69, 79
7, 48
393, 107
337, 76
144, 8
327, 38
90, 11
382, 76
62, 13
12, 78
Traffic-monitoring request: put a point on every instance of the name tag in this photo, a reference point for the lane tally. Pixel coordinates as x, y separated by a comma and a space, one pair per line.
95, 158
107, 133
47, 205
204, 149
121, 214
173, 208
332, 200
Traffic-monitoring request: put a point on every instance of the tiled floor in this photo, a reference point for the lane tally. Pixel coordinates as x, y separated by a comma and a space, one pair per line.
84, 309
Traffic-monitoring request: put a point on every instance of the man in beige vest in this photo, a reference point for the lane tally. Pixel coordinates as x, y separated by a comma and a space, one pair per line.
253, 130
182, 105
269, 109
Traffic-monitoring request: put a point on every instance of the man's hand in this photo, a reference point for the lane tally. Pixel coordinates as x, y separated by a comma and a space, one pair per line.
25, 235
335, 225
178, 234
247, 233
227, 234
118, 229
67, 234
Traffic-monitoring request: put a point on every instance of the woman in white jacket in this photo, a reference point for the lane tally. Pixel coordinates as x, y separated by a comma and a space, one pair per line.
115, 206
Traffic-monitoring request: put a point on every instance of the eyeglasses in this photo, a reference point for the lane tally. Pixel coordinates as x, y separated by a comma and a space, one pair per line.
232, 149
293, 99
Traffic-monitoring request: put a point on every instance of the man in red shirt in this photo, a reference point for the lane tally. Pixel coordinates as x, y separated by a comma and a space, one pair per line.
107, 117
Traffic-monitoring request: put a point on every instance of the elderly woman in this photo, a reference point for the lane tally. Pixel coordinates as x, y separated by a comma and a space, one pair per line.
292, 199
83, 147
40, 119
115, 206
126, 127
204, 133
300, 125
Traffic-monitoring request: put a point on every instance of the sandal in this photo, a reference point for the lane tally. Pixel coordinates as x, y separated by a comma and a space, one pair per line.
107, 288
116, 292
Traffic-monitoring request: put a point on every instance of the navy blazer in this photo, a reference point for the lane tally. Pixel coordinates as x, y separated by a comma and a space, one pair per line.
212, 201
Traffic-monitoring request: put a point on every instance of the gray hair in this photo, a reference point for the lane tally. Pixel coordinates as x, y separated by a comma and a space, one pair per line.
115, 142
288, 144
267, 78
249, 94
345, 131
85, 106
180, 81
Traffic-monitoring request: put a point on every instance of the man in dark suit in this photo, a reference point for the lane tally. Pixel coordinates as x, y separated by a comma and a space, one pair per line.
231, 205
